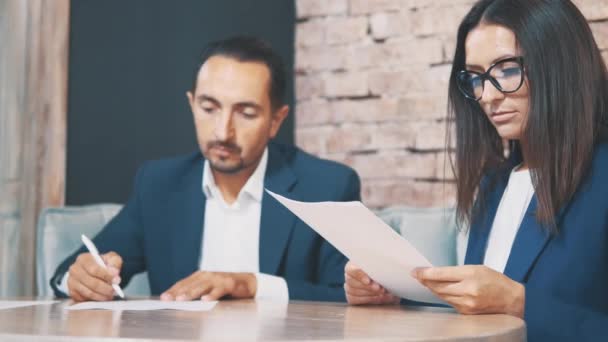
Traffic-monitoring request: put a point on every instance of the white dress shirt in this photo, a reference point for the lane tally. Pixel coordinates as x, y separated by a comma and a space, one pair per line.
231, 241
511, 210
231, 237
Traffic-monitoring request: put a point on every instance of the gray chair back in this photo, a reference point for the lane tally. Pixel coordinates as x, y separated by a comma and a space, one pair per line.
59, 231
433, 231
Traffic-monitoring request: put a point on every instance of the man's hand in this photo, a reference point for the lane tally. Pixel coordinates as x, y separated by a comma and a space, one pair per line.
89, 281
361, 289
474, 289
210, 286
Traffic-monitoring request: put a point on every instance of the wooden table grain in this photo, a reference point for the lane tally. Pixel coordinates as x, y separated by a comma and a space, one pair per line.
248, 320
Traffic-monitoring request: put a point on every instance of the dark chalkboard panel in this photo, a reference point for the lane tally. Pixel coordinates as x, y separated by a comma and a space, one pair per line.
130, 64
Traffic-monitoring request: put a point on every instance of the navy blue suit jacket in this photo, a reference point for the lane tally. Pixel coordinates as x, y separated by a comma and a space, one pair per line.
160, 229
565, 275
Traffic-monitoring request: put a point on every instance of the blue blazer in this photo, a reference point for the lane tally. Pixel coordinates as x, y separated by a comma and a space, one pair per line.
566, 275
160, 229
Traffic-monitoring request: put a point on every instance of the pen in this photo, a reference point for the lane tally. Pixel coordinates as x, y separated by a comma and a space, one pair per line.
95, 253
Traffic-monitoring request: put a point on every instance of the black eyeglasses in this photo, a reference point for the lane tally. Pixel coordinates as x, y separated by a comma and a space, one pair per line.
507, 75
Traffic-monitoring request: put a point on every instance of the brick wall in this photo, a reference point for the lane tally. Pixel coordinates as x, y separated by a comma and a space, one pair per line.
371, 88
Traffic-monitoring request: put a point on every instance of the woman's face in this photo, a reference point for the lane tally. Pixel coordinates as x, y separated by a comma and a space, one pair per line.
508, 112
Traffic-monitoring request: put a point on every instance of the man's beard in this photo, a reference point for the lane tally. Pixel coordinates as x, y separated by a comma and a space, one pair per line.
228, 169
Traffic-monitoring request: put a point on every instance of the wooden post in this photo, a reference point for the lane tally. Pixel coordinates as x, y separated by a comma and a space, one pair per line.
33, 108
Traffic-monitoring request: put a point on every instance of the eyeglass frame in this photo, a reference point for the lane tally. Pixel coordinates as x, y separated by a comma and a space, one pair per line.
486, 76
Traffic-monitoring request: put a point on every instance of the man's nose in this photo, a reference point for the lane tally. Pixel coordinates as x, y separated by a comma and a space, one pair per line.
224, 128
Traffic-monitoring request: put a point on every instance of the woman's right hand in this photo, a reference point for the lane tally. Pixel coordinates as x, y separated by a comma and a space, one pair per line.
361, 289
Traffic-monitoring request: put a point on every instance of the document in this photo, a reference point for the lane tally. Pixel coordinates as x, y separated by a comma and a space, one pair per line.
12, 304
368, 242
144, 305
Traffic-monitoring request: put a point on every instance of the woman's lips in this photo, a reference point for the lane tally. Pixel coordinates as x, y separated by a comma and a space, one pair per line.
500, 117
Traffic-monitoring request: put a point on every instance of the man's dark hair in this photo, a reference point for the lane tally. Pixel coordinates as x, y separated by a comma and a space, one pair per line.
250, 49
568, 104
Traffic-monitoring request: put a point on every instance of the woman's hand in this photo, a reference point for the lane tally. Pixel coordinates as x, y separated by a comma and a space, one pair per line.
361, 289
474, 289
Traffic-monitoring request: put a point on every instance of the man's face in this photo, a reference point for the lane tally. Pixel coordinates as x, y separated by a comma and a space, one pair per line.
233, 115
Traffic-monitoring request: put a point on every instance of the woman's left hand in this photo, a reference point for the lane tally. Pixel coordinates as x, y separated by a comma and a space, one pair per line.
474, 289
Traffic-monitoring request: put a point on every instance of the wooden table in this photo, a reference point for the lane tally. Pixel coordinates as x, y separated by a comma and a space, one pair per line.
248, 320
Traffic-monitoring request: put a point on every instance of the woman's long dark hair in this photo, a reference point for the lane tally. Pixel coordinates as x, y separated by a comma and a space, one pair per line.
568, 91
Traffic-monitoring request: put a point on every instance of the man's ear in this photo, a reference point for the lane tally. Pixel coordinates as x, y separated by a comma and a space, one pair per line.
190, 97
277, 120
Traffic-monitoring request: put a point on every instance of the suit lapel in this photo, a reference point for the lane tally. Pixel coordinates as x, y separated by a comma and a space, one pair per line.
187, 210
529, 242
276, 222
531, 237
480, 229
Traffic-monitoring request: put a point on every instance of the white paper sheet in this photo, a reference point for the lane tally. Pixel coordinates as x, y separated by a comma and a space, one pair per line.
12, 304
370, 243
144, 305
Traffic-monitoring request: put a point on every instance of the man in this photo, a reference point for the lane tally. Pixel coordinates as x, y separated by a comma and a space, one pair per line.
202, 225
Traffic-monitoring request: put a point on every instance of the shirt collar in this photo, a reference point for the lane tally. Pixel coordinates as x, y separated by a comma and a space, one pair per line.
254, 187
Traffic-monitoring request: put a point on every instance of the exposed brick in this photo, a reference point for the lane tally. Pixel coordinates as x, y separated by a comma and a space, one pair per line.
438, 78
321, 58
430, 136
392, 135
395, 54
449, 48
311, 8
422, 106
600, 33
425, 21
384, 25
346, 30
396, 83
348, 138
416, 79
400, 52
390, 83
310, 33
394, 164
421, 4
384, 193
346, 84
319, 111
593, 9
374, 6
308, 86
364, 56
444, 167
369, 110
313, 139
314, 112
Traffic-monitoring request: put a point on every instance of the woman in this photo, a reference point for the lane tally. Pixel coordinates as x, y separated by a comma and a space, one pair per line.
528, 72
